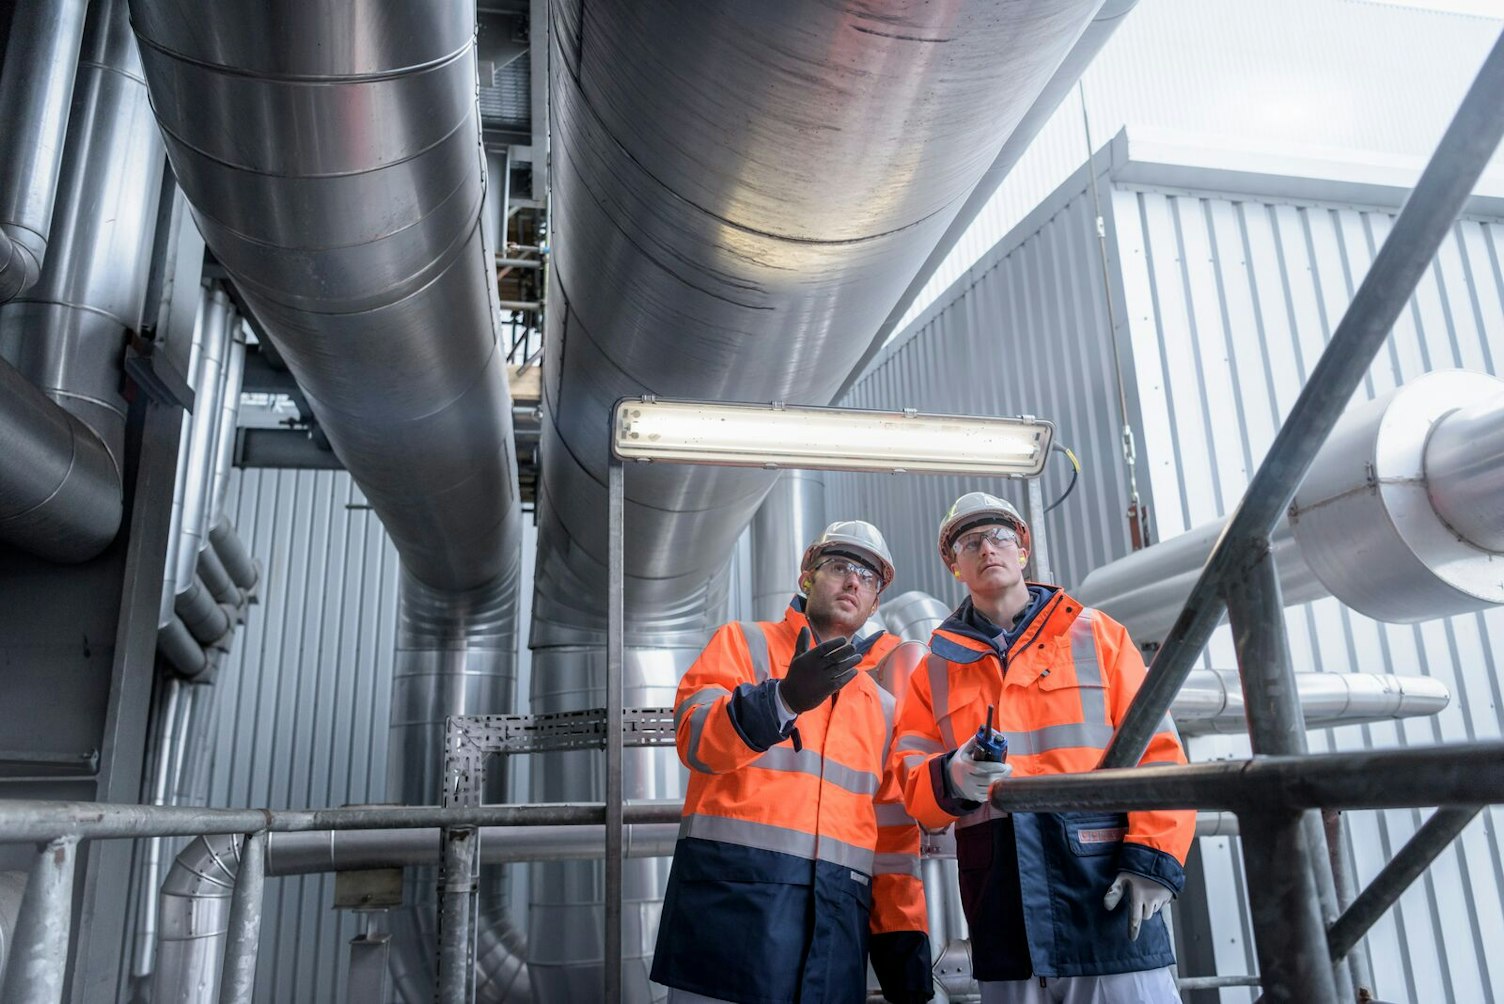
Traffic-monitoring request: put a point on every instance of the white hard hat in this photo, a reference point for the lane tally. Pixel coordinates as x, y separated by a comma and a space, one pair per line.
852, 538
976, 509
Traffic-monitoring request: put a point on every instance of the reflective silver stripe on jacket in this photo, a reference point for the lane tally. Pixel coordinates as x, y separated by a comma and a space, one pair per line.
704, 695
757, 649
1088, 671
807, 761
893, 863
764, 836
893, 814
919, 744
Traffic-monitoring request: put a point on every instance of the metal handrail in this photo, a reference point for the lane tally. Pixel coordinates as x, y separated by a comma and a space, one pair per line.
38, 961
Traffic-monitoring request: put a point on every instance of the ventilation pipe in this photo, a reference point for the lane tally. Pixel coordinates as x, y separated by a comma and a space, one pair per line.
1399, 517
791, 516
708, 248
332, 156
66, 335
36, 89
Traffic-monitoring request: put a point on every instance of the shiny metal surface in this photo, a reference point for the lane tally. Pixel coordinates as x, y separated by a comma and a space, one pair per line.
1145, 590
229, 405
203, 441
732, 225
232, 551
185, 446
36, 970
36, 91
753, 263
332, 157
1364, 517
59, 489
1464, 466
194, 916
1212, 700
914, 615
67, 334
201, 613
788, 519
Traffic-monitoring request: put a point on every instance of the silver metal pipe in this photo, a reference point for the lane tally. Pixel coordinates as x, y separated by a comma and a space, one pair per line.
185, 447
12, 891
39, 956
347, 850
36, 90
243, 934
160, 753
67, 334
1212, 700
456, 916
212, 570
224, 451
59, 489
1464, 467
914, 615
194, 912
791, 515
713, 269
208, 388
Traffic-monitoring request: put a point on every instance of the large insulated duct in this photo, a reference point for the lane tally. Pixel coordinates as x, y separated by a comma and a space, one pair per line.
734, 223
790, 517
332, 156
66, 334
1398, 518
36, 89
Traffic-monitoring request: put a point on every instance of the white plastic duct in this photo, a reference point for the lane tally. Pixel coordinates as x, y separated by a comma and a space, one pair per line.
1373, 522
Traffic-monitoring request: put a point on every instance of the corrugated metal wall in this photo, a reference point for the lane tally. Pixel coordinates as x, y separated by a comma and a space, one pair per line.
1273, 75
1227, 303
305, 697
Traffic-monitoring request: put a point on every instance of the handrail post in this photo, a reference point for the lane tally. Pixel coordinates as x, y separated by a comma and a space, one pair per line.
615, 587
237, 983
457, 893
1276, 725
1288, 933
39, 958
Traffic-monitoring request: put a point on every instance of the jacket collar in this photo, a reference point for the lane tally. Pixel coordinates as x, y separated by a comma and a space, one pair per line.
959, 640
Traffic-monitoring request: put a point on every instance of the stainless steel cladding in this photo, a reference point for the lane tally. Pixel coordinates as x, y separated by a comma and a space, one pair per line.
734, 224
332, 157
788, 519
36, 88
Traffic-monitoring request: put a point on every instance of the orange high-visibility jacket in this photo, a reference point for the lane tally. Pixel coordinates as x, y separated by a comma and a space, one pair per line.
1060, 689
795, 843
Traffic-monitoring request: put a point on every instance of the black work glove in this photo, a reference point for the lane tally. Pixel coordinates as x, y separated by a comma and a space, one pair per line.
816, 673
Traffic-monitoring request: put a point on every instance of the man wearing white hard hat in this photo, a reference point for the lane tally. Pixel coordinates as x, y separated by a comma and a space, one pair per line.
796, 859
1064, 908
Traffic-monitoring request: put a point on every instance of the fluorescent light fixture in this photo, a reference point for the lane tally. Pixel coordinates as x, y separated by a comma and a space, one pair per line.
831, 439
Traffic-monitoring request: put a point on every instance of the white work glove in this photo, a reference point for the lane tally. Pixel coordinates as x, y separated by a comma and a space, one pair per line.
973, 779
1146, 897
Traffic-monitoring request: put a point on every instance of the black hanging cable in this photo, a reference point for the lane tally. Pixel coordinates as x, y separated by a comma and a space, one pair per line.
1075, 474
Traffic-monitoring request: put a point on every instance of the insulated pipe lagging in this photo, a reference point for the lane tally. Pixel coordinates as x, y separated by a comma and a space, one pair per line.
180, 484
229, 415
232, 551
201, 613
59, 490
36, 91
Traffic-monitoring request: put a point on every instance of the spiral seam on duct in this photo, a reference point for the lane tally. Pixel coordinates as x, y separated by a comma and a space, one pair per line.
332, 156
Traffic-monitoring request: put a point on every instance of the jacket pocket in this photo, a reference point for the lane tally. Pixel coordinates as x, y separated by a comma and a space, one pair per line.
1093, 834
